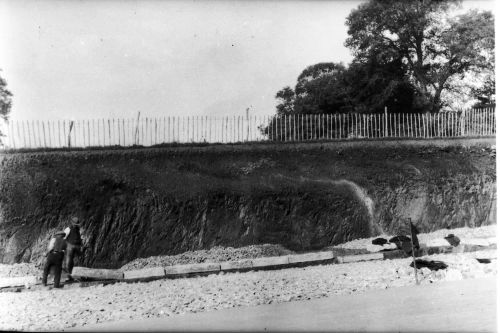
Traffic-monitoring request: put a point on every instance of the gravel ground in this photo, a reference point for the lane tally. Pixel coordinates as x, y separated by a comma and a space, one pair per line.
59, 309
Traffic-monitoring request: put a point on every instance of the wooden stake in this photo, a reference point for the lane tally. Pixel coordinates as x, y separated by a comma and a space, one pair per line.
413, 255
69, 133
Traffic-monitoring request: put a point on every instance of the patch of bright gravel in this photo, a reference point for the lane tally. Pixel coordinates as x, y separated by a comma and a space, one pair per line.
22, 269
462, 233
59, 309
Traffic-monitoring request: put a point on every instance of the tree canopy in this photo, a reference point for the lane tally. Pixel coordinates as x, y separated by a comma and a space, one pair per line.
5, 99
409, 56
319, 89
434, 47
5, 103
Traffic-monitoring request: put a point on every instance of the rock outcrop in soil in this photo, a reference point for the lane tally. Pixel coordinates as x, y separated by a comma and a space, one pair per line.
141, 203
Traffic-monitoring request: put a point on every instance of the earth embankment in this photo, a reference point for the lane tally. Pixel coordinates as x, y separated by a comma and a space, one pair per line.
144, 202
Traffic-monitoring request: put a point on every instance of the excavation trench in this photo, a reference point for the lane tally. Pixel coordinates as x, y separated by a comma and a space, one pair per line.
154, 202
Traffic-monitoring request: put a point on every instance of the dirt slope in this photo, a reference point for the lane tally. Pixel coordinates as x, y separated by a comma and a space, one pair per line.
138, 203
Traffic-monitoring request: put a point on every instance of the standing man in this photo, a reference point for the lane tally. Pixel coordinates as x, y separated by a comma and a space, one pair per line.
74, 244
55, 257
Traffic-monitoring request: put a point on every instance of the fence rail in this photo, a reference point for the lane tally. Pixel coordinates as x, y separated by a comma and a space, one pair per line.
231, 129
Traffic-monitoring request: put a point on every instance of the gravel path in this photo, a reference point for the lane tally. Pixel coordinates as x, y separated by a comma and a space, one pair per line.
59, 309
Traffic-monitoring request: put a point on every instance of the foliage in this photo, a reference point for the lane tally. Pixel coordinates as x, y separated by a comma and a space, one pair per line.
433, 47
5, 102
5, 99
319, 89
409, 56
372, 87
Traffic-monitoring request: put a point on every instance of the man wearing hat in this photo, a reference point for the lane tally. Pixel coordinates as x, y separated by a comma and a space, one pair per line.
55, 257
74, 244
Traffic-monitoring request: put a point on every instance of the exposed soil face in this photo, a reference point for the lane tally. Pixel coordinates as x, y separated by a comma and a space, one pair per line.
139, 203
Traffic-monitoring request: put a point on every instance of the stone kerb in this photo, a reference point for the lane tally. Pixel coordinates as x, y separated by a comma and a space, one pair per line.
361, 257
155, 272
192, 269
101, 274
310, 257
270, 261
236, 265
239, 265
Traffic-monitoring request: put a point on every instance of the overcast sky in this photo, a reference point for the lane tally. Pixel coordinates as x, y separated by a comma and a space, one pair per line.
100, 59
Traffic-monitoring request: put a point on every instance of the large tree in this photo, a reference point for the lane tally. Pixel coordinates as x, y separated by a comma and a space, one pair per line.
364, 87
434, 47
319, 89
373, 86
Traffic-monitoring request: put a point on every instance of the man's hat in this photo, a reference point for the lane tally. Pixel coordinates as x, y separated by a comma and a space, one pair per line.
75, 221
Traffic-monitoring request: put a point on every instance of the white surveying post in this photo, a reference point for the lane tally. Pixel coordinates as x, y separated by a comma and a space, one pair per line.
413, 252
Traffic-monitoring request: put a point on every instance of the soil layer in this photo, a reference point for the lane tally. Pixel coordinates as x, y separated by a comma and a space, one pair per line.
140, 203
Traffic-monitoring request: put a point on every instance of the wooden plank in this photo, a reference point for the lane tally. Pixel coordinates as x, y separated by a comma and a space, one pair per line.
192, 268
310, 257
100, 274
153, 272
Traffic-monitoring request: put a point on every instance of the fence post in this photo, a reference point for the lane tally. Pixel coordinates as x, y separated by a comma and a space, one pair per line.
10, 131
29, 133
386, 131
136, 135
50, 126
43, 131
71, 124
474, 131
24, 133
193, 129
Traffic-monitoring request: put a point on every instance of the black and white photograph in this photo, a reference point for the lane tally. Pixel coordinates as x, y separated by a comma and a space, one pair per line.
251, 166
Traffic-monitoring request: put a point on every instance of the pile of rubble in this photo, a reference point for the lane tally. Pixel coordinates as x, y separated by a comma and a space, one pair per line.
215, 255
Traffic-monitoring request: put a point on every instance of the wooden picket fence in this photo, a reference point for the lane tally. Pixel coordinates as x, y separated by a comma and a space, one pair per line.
232, 129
